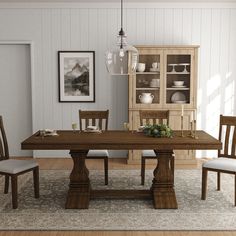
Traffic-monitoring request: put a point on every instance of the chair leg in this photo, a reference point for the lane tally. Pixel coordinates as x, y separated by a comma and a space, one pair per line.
6, 187
14, 191
36, 182
143, 170
204, 183
218, 181
106, 170
235, 191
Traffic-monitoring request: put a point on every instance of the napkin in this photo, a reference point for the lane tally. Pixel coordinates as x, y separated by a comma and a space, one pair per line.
92, 127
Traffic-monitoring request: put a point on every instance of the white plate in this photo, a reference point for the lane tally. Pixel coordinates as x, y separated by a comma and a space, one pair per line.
184, 64
179, 86
178, 96
180, 102
172, 64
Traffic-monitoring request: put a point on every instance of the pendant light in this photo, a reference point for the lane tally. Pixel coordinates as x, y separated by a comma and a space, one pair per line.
123, 58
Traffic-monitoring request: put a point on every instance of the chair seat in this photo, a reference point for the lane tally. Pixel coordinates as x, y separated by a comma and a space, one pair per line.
98, 153
12, 166
148, 153
221, 163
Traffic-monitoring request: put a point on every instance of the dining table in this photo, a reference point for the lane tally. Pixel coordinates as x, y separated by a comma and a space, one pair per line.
161, 192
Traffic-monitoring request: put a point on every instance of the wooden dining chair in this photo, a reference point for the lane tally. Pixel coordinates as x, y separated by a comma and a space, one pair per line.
11, 168
226, 161
99, 119
151, 117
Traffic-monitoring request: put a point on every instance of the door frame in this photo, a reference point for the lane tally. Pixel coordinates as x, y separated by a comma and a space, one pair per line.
32, 78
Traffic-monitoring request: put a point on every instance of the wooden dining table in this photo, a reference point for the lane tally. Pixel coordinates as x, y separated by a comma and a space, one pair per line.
162, 190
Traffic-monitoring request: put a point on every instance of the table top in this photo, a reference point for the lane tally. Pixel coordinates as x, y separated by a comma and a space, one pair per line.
119, 140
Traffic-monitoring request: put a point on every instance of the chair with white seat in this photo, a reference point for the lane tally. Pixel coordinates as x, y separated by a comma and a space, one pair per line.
226, 161
11, 168
151, 117
99, 119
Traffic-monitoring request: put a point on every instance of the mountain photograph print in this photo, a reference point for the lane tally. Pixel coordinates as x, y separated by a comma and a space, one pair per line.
76, 76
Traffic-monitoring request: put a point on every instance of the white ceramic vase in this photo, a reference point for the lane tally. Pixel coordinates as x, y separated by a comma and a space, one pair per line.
146, 98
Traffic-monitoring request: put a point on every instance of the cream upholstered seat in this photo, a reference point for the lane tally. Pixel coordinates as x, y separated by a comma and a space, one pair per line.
226, 161
12, 166
221, 163
98, 153
148, 153
95, 119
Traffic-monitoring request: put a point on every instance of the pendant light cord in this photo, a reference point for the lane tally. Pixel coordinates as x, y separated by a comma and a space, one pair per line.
121, 33
121, 21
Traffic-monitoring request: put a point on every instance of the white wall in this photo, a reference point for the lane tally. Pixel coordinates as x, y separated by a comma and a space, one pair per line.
73, 26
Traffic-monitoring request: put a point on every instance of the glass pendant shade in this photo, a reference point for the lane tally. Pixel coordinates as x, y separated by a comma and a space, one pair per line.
122, 59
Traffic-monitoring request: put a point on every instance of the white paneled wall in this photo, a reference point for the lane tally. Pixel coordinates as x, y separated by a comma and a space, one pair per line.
94, 27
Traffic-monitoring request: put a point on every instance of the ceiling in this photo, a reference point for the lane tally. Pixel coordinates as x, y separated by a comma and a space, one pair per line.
113, 1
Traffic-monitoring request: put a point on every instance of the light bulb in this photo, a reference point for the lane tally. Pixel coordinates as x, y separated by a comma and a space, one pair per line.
121, 54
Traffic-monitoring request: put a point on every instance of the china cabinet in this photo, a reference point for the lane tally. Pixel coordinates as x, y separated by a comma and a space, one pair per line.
168, 81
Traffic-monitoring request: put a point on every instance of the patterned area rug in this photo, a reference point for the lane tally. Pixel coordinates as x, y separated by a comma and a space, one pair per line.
48, 213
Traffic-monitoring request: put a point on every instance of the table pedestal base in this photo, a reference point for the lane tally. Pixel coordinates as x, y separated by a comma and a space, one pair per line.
163, 181
162, 191
79, 188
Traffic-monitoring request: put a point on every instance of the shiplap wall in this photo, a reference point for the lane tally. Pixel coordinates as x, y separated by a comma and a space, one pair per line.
95, 26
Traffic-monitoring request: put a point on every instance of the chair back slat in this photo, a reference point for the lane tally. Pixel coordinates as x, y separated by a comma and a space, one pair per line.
86, 122
4, 151
94, 118
93, 121
226, 149
100, 123
233, 142
228, 138
154, 117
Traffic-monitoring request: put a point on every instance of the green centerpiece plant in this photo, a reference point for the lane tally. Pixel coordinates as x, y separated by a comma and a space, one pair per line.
158, 131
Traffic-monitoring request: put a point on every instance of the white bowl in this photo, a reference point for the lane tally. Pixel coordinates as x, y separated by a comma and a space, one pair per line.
141, 67
178, 83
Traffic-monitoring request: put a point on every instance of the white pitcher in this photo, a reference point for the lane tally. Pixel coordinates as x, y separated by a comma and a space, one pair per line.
146, 98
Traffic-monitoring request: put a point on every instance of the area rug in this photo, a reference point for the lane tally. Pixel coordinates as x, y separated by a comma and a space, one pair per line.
48, 213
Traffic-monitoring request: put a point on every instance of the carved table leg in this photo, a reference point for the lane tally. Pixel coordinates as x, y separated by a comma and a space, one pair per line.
79, 188
163, 181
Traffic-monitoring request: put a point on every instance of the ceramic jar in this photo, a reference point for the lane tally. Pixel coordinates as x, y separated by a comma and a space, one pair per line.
141, 67
146, 98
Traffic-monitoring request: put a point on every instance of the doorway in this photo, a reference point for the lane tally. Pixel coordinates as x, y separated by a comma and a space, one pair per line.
15, 95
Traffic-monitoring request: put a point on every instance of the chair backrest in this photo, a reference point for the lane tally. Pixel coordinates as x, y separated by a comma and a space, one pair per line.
154, 117
227, 135
4, 152
98, 118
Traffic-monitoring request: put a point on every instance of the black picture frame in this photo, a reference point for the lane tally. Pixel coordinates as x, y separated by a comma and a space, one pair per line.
76, 76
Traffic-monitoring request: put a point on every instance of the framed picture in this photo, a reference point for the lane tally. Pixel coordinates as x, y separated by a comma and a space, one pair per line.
76, 76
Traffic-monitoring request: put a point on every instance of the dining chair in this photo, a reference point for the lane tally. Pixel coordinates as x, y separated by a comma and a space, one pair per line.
152, 117
226, 161
99, 119
12, 168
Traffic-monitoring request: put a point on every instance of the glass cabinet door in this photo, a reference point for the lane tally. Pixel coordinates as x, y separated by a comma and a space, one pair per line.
147, 80
178, 78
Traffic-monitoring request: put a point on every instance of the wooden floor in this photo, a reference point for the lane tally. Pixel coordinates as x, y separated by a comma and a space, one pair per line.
50, 163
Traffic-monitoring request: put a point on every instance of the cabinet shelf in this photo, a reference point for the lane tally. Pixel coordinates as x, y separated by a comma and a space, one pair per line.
177, 73
157, 88
148, 73
177, 88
